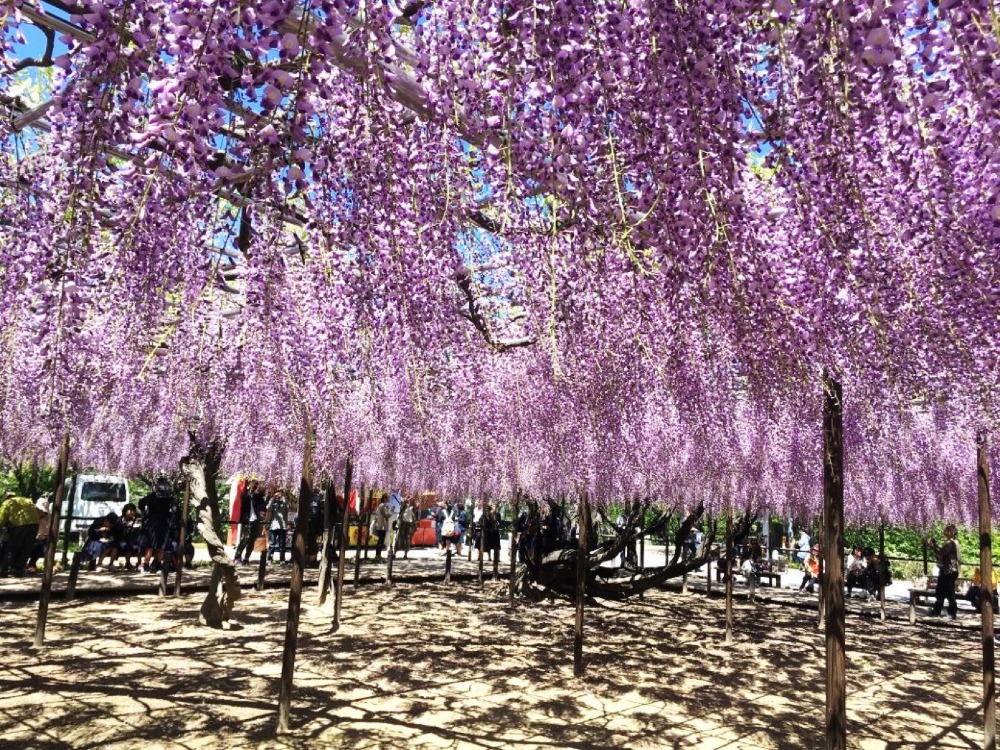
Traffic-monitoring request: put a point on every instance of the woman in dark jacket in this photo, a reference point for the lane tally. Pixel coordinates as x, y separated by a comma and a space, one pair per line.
948, 565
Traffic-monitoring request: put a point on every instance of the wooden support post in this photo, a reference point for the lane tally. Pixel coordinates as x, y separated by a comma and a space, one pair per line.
729, 577
369, 502
181, 537
923, 542
482, 541
74, 574
513, 547
345, 517
326, 563
390, 554
447, 564
261, 570
708, 567
67, 529
581, 585
881, 578
666, 538
986, 593
824, 543
295, 587
362, 502
50, 551
833, 581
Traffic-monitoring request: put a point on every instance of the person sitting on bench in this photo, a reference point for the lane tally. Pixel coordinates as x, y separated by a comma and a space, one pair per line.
856, 573
975, 592
810, 571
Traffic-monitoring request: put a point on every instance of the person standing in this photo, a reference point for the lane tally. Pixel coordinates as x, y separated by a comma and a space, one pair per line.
255, 502
491, 531
42, 539
407, 526
752, 567
250, 525
277, 518
802, 547
19, 516
157, 509
948, 565
380, 524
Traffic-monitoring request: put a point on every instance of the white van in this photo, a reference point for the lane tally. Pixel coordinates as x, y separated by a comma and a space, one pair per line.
94, 496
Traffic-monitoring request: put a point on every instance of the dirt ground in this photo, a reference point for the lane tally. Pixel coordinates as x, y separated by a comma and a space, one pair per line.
452, 666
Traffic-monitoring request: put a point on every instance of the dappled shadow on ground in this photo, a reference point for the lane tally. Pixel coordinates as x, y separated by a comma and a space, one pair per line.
453, 666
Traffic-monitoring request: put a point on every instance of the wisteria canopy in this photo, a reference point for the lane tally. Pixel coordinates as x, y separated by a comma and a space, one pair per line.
606, 246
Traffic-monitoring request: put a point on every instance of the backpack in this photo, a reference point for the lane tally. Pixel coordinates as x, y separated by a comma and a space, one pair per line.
448, 525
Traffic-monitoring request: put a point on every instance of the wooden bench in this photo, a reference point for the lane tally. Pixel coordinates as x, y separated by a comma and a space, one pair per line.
922, 595
772, 577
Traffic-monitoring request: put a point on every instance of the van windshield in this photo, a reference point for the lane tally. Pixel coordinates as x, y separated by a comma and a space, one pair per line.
109, 492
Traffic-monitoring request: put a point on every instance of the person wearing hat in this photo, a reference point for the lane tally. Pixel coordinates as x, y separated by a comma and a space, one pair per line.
19, 516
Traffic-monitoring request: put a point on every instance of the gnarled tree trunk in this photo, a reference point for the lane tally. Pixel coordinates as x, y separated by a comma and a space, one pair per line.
201, 467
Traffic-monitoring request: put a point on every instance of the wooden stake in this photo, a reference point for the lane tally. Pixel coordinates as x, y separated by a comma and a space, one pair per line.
881, 578
345, 517
824, 542
362, 502
447, 564
581, 584
295, 588
50, 551
708, 567
729, 578
513, 547
69, 518
986, 593
482, 541
326, 564
74, 574
261, 570
181, 537
833, 581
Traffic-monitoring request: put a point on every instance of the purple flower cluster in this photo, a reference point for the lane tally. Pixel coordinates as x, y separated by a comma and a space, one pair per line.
567, 247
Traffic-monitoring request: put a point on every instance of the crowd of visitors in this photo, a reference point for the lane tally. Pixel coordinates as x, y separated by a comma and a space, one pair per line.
148, 532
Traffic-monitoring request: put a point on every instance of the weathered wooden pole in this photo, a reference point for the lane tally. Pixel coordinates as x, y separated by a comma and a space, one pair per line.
447, 564
482, 541
295, 587
513, 547
326, 564
345, 517
261, 570
708, 567
67, 529
986, 593
369, 502
881, 577
824, 543
729, 577
74, 574
833, 581
581, 585
390, 553
50, 551
182, 537
362, 501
